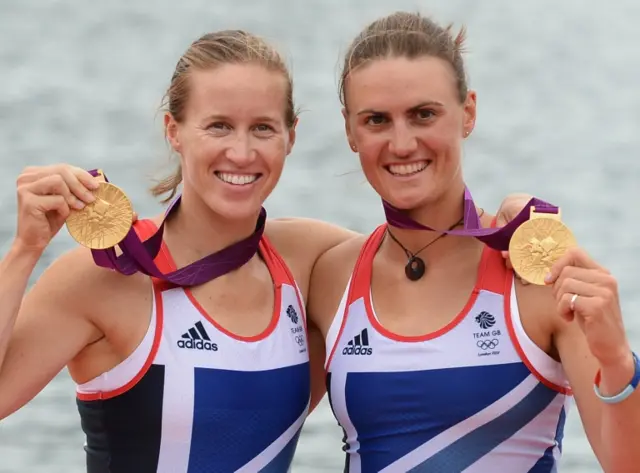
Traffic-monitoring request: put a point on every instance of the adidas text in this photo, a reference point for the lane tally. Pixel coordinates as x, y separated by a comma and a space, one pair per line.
357, 350
197, 345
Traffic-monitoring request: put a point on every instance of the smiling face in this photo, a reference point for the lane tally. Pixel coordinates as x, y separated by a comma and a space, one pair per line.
407, 123
233, 137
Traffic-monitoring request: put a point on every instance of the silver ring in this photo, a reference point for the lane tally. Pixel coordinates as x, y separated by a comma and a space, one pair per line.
572, 303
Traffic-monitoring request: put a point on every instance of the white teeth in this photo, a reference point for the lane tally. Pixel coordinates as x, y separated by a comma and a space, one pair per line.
405, 169
237, 179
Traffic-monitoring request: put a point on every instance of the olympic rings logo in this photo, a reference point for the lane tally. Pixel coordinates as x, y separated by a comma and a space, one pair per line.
487, 344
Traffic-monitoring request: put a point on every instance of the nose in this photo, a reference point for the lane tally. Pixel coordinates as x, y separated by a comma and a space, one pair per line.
403, 142
240, 150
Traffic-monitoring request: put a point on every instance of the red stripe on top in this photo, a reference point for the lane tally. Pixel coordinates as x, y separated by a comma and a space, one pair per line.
278, 270
491, 274
144, 229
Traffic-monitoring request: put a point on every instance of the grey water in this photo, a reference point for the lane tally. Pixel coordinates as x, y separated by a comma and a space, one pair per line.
557, 85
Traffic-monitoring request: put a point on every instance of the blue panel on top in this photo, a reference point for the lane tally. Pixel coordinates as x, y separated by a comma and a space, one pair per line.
237, 414
395, 412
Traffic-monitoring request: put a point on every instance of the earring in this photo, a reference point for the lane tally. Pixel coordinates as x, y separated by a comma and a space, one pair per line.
353, 148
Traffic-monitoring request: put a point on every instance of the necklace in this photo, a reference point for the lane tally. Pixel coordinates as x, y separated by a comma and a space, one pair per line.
415, 267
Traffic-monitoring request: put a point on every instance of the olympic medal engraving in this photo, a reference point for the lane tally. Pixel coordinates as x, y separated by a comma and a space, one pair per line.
103, 223
537, 244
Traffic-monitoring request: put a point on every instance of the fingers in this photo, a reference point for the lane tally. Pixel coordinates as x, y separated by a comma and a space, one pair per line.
53, 185
50, 203
564, 306
80, 182
582, 288
34, 173
574, 257
510, 207
73, 183
589, 286
581, 306
41, 204
507, 260
571, 275
48, 185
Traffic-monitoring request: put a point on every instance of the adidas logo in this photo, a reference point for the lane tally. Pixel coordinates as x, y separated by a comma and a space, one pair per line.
359, 345
197, 338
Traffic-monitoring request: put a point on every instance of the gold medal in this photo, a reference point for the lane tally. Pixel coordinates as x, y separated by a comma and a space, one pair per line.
537, 244
104, 222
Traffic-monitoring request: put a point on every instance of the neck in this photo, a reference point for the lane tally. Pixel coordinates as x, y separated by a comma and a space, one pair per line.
195, 231
439, 215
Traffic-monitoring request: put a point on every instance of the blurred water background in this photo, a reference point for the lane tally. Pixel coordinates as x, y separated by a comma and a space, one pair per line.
557, 84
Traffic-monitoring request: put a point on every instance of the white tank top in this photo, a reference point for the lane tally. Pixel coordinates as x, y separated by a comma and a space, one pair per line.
194, 397
476, 396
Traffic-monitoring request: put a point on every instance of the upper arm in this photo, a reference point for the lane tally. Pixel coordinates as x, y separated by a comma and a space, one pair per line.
316, 236
52, 327
316, 361
302, 241
570, 344
329, 280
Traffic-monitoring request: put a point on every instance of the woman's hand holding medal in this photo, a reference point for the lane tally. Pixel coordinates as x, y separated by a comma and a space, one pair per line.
47, 195
587, 293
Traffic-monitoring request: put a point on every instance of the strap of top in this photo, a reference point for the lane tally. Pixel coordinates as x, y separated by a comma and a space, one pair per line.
164, 261
492, 272
363, 270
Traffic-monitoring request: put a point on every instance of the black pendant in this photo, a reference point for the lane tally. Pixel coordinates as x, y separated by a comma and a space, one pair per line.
415, 268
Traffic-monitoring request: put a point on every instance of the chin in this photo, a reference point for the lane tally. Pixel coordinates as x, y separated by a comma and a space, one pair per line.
235, 204
235, 210
409, 199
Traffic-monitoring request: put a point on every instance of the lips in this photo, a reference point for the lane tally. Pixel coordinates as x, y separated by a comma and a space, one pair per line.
408, 169
237, 179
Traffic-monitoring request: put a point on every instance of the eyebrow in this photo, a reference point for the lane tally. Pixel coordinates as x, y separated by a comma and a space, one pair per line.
262, 118
266, 119
412, 109
215, 117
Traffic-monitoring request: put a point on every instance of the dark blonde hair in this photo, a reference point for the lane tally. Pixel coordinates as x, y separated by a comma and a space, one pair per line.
210, 51
408, 35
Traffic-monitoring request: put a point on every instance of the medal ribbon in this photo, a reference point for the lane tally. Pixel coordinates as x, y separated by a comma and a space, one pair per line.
139, 256
496, 238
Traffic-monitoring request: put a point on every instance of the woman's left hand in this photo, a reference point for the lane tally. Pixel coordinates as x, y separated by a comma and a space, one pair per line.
588, 293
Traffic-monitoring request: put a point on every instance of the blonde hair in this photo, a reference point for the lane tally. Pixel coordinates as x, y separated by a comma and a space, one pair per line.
210, 51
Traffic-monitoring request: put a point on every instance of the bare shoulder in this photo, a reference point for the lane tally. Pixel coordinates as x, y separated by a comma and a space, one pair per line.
341, 257
329, 280
301, 241
75, 284
69, 276
73, 305
307, 234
